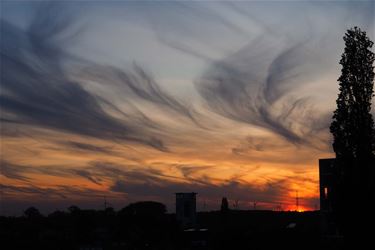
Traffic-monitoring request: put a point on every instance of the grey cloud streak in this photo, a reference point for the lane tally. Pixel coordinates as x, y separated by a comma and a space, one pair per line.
13, 171
236, 90
38, 89
246, 85
87, 147
20, 172
61, 191
139, 84
260, 84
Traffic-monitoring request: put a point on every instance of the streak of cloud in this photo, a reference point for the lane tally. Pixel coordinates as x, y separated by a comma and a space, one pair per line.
139, 84
255, 85
13, 171
39, 91
87, 147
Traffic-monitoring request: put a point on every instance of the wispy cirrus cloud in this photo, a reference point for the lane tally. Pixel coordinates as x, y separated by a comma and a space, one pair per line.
39, 90
13, 171
87, 147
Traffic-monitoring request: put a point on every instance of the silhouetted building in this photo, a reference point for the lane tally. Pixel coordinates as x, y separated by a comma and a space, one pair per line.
186, 209
224, 204
326, 183
329, 191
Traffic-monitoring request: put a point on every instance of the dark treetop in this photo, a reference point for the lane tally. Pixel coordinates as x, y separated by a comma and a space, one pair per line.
353, 125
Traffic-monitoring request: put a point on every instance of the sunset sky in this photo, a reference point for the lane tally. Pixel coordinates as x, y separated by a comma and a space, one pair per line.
137, 100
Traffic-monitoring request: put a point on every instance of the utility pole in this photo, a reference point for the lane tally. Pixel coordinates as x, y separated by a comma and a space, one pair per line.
105, 203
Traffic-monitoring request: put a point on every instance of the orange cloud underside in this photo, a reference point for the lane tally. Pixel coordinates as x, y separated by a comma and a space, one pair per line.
54, 162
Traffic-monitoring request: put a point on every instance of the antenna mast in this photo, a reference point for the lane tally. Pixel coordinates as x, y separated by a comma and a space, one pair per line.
106, 204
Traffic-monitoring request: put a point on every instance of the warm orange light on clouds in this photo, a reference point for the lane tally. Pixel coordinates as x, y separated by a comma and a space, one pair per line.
58, 166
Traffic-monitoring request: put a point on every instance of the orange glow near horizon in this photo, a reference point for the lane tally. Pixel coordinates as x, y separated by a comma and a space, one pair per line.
51, 166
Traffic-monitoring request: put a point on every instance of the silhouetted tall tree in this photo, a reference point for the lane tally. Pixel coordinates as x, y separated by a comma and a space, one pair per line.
353, 126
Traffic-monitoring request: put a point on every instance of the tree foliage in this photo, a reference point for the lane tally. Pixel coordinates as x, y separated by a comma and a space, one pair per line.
32, 212
353, 125
149, 208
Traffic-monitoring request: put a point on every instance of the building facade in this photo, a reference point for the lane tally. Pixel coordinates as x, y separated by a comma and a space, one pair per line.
326, 183
186, 212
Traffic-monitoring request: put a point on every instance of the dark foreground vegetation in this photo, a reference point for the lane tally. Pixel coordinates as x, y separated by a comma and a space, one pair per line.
147, 226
